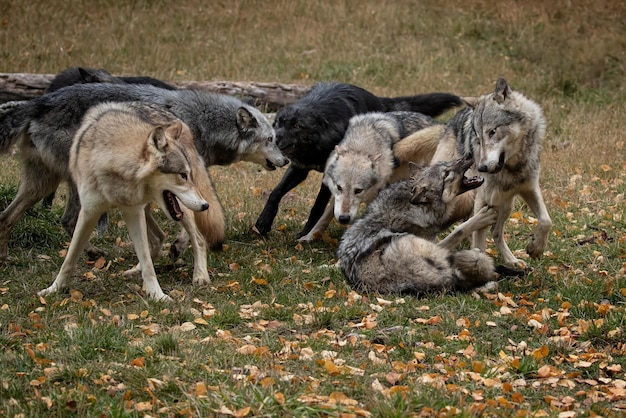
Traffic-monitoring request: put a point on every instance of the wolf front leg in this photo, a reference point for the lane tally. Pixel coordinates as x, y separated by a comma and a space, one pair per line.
292, 177
481, 220
539, 240
136, 223
198, 246
85, 224
322, 223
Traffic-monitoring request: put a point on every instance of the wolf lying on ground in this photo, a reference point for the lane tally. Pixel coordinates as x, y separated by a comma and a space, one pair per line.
502, 131
375, 147
127, 155
225, 130
392, 249
308, 130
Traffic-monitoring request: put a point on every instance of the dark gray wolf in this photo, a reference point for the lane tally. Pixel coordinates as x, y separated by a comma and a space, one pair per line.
392, 248
225, 131
308, 130
127, 155
365, 160
502, 131
82, 75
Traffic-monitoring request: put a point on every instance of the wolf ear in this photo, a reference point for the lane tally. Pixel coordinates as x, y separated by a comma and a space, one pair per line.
415, 169
503, 91
158, 138
471, 102
245, 119
174, 130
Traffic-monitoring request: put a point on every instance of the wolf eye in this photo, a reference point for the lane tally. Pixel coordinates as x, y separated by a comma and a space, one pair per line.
448, 175
183, 176
339, 188
358, 191
492, 133
270, 139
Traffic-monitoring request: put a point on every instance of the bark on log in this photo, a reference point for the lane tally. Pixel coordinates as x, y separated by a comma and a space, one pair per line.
269, 97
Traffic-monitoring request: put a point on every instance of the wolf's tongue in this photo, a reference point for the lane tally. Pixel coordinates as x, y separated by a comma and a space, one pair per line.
172, 205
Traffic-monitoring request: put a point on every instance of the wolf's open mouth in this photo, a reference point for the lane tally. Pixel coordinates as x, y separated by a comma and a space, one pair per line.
470, 183
269, 165
172, 205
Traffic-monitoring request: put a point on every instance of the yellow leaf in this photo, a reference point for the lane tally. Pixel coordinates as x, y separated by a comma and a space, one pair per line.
247, 349
280, 398
242, 412
259, 281
201, 389
200, 321
605, 167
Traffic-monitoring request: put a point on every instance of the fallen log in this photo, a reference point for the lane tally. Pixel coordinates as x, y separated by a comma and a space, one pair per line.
269, 97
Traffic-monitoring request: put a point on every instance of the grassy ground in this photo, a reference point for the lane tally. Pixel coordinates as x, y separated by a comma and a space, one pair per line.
279, 333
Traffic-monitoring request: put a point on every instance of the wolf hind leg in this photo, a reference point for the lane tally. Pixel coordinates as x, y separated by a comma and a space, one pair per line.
86, 223
36, 183
69, 219
198, 245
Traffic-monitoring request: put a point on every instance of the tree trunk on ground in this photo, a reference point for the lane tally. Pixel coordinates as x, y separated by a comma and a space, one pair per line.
269, 97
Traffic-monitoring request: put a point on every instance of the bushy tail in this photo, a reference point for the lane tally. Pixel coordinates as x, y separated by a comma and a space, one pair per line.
211, 222
14, 119
475, 268
431, 104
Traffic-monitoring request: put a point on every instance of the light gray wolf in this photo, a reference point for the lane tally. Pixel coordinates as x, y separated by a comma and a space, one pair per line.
365, 160
127, 155
392, 248
308, 130
502, 131
225, 130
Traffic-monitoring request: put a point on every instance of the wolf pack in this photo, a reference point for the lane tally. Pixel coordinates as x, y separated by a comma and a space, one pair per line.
417, 195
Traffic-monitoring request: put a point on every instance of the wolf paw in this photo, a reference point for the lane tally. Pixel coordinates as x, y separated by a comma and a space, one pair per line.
535, 248
201, 280
133, 272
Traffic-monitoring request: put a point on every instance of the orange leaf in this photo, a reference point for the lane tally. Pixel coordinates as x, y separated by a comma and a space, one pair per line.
138, 362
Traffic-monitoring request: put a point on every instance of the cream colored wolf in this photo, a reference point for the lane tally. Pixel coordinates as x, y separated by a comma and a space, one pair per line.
127, 155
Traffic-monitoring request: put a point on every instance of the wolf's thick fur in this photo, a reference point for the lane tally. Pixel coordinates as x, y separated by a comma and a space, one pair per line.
83, 75
391, 249
127, 155
364, 162
502, 131
225, 130
308, 130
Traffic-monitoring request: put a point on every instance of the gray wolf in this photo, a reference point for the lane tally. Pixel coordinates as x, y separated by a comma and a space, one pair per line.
502, 131
365, 160
308, 130
225, 130
127, 155
391, 249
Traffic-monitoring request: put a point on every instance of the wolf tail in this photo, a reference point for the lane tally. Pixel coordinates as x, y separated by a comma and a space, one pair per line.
14, 119
475, 269
431, 104
210, 222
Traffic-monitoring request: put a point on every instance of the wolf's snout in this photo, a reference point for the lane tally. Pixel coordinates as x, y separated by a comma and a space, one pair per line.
491, 167
344, 219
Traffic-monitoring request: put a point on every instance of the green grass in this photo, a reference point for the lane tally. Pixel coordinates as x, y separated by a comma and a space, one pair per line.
278, 332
